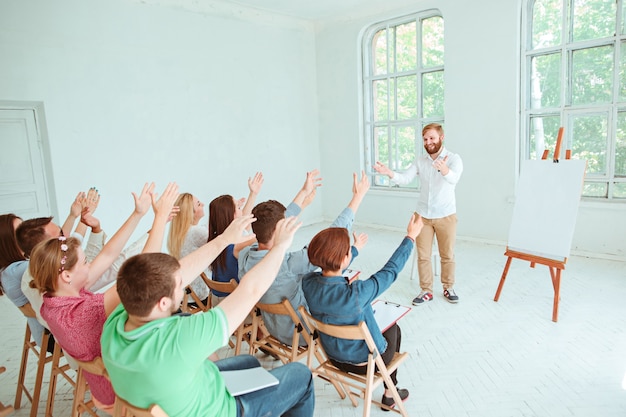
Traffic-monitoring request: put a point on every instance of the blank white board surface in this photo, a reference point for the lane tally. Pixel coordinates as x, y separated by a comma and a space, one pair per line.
546, 206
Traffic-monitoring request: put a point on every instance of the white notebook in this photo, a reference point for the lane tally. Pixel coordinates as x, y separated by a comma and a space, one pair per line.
243, 381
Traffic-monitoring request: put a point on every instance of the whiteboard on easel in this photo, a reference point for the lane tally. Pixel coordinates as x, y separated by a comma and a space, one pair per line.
546, 206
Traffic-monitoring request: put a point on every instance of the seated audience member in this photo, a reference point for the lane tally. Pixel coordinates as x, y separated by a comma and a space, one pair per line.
222, 211
186, 235
34, 231
296, 264
75, 316
12, 266
154, 357
14, 261
333, 300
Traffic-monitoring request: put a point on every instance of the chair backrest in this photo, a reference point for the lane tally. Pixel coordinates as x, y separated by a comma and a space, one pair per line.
133, 411
350, 332
285, 353
80, 405
226, 287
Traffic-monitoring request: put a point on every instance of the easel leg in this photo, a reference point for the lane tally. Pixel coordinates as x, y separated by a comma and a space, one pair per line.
506, 271
556, 283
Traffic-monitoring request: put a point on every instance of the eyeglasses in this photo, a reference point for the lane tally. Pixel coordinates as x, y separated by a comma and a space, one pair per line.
64, 248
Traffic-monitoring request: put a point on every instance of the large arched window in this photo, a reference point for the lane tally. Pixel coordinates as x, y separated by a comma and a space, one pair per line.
403, 88
574, 75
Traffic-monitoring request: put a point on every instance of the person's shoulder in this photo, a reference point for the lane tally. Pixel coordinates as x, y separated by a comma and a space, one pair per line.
17, 267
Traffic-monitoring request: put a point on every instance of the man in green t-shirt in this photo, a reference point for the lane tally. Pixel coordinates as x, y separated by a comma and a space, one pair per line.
153, 357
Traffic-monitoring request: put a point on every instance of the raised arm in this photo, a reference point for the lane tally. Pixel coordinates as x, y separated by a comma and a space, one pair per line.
255, 282
254, 185
198, 260
304, 196
162, 211
75, 210
359, 189
112, 249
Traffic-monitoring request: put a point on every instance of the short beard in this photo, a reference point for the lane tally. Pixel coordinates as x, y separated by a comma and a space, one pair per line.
437, 147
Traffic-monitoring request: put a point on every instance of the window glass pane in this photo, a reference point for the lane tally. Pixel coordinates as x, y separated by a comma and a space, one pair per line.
592, 74
622, 72
620, 145
406, 145
379, 46
589, 141
432, 94
619, 190
406, 47
595, 189
623, 19
545, 81
405, 149
543, 133
432, 41
546, 24
594, 19
381, 152
407, 97
380, 100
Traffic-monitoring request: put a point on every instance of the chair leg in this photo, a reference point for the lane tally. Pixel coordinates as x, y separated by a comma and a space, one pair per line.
41, 367
21, 376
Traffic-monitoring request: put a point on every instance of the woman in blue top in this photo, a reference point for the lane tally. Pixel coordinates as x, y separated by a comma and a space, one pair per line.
222, 211
333, 300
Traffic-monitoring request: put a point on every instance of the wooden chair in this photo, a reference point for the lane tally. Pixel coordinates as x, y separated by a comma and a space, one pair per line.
132, 411
5, 410
58, 369
43, 357
199, 307
270, 343
355, 385
95, 367
242, 334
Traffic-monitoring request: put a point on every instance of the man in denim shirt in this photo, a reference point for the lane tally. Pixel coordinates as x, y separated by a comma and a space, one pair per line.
296, 264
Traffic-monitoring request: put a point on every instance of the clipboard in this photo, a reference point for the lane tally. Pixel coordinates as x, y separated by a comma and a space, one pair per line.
243, 381
387, 313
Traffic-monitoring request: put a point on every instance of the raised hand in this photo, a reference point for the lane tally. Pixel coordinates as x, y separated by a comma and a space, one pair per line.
415, 226
441, 164
163, 206
312, 181
360, 240
76, 208
255, 183
234, 232
362, 186
89, 220
143, 201
91, 200
285, 230
382, 169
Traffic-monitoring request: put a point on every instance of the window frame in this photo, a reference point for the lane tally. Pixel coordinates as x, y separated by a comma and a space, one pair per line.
566, 110
368, 77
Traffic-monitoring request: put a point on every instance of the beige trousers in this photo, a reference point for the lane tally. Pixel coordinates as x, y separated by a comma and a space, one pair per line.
445, 230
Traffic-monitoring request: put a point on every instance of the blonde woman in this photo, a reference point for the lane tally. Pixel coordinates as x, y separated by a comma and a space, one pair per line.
186, 235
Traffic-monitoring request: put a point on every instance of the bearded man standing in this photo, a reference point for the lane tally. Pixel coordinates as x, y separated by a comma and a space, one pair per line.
439, 172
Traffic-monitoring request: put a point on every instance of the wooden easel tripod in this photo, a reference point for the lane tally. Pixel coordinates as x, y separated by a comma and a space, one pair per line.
554, 266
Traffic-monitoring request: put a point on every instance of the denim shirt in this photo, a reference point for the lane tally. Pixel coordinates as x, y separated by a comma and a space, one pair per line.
332, 300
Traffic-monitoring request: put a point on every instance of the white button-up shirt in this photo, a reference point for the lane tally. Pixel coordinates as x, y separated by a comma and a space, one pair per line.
437, 197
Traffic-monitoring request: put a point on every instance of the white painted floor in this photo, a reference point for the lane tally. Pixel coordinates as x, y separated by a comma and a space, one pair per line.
476, 358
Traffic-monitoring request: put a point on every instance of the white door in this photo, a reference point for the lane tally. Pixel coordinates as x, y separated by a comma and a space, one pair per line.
22, 170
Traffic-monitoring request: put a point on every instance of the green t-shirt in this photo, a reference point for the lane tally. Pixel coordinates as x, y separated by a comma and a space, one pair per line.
165, 362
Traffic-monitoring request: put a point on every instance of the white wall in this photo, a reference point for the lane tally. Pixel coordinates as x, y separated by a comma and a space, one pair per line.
135, 93
482, 107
